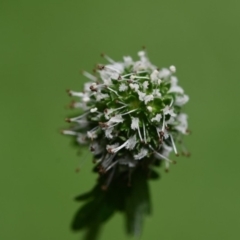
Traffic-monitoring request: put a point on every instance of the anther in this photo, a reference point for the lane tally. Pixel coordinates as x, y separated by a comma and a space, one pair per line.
189, 131
161, 133
93, 88
100, 67
69, 92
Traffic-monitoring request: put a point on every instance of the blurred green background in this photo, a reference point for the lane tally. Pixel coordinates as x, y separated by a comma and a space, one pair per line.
44, 45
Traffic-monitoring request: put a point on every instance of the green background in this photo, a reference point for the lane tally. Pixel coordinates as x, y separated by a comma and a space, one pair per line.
44, 45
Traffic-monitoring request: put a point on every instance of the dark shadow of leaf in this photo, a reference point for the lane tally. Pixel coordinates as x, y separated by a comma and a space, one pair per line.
99, 205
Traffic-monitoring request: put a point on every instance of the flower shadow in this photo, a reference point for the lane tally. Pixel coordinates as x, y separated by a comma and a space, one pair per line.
100, 204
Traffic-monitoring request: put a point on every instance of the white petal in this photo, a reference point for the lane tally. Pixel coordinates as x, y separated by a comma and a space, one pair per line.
116, 119
157, 118
141, 95
134, 124
181, 100
131, 142
148, 98
143, 152
123, 87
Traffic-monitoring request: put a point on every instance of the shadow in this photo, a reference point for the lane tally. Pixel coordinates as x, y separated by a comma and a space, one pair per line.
132, 199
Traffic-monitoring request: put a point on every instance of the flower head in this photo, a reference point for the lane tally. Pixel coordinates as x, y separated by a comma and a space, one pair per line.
131, 113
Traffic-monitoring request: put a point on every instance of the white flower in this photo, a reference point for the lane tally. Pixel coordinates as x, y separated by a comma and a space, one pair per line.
149, 108
143, 153
108, 132
127, 61
181, 100
171, 120
156, 93
157, 118
99, 96
92, 135
172, 69
141, 54
148, 98
112, 146
174, 86
154, 76
145, 85
81, 138
129, 144
166, 150
134, 124
107, 112
169, 111
164, 73
175, 89
134, 86
116, 119
141, 95
96, 148
87, 86
93, 110
183, 124
132, 141
129, 115
123, 87
138, 66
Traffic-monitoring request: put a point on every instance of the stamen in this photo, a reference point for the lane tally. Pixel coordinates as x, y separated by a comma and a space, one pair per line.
185, 152
129, 112
163, 126
76, 118
94, 87
107, 58
89, 76
107, 160
75, 94
113, 91
117, 101
174, 146
138, 77
144, 133
120, 147
139, 133
162, 156
111, 165
69, 132
105, 187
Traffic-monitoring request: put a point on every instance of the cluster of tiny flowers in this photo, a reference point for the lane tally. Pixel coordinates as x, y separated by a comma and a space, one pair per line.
131, 113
